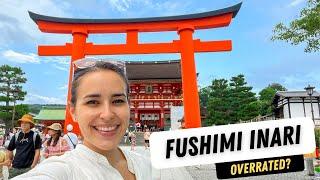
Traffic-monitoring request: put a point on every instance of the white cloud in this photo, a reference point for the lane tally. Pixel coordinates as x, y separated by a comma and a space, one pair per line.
17, 28
295, 3
63, 87
39, 99
120, 5
299, 81
60, 67
62, 61
13, 56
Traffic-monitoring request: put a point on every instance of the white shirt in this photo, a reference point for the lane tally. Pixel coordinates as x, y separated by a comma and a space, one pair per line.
72, 137
82, 163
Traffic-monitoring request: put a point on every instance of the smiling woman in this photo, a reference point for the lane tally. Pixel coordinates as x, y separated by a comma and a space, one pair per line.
100, 105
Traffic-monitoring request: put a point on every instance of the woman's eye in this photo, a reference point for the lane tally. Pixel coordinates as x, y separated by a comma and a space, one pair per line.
92, 102
118, 101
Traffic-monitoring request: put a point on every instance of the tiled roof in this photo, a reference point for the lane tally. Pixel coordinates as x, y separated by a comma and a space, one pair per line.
51, 113
144, 70
296, 94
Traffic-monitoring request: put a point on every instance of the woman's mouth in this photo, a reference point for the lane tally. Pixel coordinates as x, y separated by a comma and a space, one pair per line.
107, 131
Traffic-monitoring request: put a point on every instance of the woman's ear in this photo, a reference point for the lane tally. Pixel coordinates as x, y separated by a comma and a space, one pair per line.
72, 110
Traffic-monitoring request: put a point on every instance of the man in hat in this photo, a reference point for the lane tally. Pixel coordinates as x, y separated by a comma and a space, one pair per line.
27, 145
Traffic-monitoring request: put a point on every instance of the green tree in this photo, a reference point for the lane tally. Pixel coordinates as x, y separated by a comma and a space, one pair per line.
204, 96
218, 103
266, 97
11, 79
304, 29
242, 100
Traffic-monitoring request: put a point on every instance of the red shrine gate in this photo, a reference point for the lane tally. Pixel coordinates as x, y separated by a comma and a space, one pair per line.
185, 25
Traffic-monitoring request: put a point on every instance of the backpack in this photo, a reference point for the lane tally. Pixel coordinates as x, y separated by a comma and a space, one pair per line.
33, 138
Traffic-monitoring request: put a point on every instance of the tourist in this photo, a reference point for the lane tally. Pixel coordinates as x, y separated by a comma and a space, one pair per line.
146, 137
55, 145
27, 145
71, 137
133, 138
182, 125
100, 105
3, 168
126, 134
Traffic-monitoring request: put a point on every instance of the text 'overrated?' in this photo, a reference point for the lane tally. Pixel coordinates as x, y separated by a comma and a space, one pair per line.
234, 142
258, 167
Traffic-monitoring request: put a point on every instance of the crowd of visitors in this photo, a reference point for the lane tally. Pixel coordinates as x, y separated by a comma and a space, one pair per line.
23, 147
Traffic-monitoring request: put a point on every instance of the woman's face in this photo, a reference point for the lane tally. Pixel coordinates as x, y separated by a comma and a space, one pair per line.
52, 132
101, 109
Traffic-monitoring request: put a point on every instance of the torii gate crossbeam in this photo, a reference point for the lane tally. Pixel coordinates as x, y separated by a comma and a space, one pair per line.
185, 25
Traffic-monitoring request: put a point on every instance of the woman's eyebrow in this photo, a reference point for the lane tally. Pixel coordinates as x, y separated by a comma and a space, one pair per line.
92, 96
119, 94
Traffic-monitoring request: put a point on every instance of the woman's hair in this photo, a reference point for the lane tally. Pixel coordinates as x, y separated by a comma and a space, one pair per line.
99, 65
55, 140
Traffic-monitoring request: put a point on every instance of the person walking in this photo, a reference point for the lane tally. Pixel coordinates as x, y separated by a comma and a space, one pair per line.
71, 137
126, 134
27, 145
133, 140
146, 137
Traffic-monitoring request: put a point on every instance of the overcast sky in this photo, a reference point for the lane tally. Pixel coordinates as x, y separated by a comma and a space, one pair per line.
254, 54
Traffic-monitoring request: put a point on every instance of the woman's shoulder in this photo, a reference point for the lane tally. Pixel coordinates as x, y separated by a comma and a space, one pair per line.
141, 160
55, 167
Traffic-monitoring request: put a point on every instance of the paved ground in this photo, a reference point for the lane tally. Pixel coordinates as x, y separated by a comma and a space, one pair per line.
208, 172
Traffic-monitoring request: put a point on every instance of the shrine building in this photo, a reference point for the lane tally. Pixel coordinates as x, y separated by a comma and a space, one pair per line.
155, 86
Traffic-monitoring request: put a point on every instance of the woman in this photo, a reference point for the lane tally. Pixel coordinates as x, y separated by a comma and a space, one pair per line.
100, 105
56, 145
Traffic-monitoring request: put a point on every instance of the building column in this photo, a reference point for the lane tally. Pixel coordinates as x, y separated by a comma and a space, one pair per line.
304, 107
136, 117
161, 118
319, 106
289, 109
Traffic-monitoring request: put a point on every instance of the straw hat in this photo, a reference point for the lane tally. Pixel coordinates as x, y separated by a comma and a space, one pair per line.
55, 126
27, 118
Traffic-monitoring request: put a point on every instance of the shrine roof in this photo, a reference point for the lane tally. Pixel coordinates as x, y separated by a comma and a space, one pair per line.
232, 9
146, 70
285, 94
51, 113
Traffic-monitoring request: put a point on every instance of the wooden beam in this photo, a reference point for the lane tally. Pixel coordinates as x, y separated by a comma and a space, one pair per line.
133, 48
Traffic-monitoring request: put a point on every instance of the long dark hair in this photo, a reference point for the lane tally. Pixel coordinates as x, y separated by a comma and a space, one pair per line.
55, 140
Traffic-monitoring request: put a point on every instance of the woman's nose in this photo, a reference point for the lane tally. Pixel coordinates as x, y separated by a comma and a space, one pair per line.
107, 111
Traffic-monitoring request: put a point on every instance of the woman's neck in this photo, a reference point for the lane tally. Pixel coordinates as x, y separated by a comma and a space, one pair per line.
113, 155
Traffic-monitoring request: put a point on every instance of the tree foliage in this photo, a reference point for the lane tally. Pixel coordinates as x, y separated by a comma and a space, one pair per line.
11, 80
266, 96
233, 101
304, 29
229, 102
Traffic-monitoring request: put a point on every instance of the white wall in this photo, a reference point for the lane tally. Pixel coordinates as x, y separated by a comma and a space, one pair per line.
296, 110
176, 113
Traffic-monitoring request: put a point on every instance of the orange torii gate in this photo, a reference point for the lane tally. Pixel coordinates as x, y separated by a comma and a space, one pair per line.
186, 45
